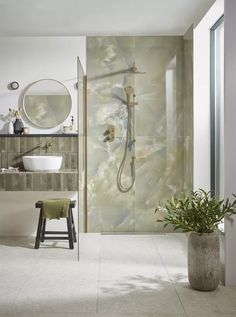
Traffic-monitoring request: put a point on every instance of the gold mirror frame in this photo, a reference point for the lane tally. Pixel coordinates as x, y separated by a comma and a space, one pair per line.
43, 108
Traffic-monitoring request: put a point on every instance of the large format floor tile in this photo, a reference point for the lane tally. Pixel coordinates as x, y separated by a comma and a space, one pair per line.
55, 296
221, 301
138, 296
211, 315
172, 249
129, 256
116, 276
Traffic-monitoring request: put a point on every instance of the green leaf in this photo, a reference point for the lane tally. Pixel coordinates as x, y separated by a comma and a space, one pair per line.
198, 211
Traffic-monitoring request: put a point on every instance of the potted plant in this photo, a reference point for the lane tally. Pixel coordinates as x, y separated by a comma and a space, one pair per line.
200, 213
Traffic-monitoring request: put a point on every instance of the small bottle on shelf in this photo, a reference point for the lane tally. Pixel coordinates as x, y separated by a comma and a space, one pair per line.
72, 126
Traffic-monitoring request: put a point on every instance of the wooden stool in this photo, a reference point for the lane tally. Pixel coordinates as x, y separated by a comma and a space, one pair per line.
41, 231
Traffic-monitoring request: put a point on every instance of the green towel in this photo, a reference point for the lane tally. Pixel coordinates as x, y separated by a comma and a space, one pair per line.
56, 208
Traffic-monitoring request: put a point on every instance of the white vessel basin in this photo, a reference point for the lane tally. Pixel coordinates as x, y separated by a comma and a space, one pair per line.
42, 163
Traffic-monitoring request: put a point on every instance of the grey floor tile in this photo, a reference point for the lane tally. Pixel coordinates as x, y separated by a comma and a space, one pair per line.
55, 296
212, 315
51, 314
115, 314
139, 297
66, 272
220, 301
117, 275
8, 297
129, 256
34, 314
172, 249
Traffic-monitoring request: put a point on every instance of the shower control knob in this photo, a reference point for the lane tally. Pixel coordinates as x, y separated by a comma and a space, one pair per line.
109, 133
107, 139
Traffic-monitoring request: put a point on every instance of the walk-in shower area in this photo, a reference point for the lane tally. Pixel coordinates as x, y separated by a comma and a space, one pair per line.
139, 129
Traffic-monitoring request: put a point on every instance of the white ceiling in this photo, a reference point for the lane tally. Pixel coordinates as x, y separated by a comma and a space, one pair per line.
99, 17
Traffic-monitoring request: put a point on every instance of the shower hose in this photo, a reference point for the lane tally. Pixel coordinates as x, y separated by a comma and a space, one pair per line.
129, 144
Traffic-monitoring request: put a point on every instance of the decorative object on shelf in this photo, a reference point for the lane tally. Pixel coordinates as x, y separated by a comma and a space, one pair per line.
25, 130
10, 169
200, 213
10, 127
73, 133
47, 103
18, 124
14, 85
66, 128
72, 126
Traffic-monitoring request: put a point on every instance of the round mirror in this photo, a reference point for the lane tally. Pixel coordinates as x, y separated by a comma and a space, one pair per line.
47, 103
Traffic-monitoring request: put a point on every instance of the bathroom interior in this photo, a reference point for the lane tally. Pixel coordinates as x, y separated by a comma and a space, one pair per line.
110, 122
125, 141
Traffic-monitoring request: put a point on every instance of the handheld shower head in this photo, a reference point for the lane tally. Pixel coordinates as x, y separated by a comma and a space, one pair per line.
130, 94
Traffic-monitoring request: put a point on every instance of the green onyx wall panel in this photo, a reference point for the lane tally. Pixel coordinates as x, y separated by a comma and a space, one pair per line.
109, 210
188, 109
160, 146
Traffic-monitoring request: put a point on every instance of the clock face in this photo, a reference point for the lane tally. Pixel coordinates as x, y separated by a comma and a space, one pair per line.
14, 85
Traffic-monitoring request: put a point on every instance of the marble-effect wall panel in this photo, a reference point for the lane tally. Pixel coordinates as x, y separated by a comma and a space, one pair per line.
160, 148
159, 173
188, 109
157, 56
109, 209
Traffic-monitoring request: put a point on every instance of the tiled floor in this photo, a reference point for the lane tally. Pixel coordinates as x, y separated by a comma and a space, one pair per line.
117, 276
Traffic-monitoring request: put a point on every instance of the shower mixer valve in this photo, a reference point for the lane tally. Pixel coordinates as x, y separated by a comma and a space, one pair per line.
109, 133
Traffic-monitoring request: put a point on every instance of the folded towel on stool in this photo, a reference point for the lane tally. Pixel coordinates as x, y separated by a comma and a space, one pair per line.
56, 208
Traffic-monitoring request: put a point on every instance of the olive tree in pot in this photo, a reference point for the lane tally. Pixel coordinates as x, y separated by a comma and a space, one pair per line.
200, 214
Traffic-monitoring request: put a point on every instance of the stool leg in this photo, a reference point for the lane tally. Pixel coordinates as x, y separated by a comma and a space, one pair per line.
70, 233
37, 240
43, 230
73, 225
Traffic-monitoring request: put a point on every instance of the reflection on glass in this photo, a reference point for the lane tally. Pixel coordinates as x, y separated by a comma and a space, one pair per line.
171, 128
47, 103
217, 100
82, 146
220, 106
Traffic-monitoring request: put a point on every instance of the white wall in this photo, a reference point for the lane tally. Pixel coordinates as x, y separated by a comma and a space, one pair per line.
230, 134
201, 72
28, 59
19, 217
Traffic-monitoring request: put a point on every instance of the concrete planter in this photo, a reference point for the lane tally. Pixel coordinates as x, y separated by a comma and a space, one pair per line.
204, 261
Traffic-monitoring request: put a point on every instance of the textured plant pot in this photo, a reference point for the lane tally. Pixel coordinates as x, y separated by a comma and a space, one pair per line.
204, 261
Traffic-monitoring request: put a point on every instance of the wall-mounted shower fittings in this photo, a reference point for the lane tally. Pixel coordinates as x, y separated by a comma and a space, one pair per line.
129, 90
129, 142
45, 146
133, 70
109, 133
